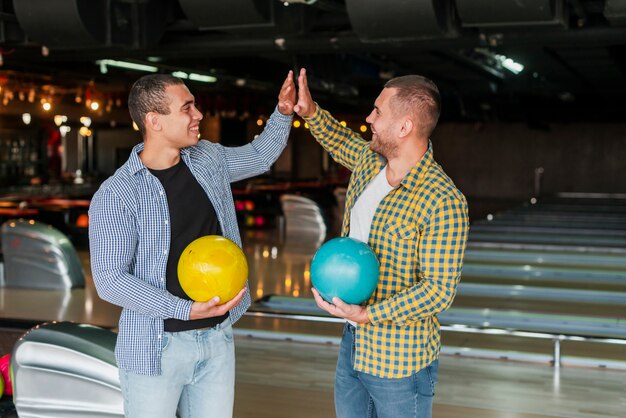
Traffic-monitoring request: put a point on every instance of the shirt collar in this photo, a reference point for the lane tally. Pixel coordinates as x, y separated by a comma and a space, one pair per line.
417, 173
135, 164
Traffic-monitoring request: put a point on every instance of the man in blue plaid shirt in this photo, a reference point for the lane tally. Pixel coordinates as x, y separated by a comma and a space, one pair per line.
401, 203
174, 354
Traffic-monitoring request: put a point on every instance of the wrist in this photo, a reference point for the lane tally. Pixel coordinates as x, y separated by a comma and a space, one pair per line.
311, 113
363, 317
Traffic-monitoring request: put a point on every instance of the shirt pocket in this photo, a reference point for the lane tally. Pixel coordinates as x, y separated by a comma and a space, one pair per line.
402, 243
400, 231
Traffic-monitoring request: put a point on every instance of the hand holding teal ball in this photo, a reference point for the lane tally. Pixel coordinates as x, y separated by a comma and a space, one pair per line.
345, 268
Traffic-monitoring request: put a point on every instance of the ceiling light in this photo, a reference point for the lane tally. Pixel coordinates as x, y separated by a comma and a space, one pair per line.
509, 64
512, 66
309, 2
85, 120
203, 78
495, 61
124, 64
194, 76
59, 119
84, 131
180, 74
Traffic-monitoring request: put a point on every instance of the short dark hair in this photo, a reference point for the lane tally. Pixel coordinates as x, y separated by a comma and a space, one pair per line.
420, 96
148, 95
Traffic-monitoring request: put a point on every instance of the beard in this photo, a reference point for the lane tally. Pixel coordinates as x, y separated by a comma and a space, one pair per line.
383, 146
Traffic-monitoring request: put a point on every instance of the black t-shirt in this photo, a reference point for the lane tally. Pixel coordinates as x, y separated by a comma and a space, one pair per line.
192, 216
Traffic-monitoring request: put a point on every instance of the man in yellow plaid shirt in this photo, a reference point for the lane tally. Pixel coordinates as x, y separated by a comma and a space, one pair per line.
401, 203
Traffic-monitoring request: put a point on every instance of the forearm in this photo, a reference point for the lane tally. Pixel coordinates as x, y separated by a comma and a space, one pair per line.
132, 293
343, 144
258, 156
440, 252
428, 298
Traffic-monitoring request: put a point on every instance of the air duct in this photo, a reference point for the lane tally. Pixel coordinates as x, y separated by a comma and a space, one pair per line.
380, 21
66, 24
231, 14
615, 12
503, 13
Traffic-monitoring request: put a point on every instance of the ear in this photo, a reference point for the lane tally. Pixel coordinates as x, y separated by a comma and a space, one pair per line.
406, 128
153, 121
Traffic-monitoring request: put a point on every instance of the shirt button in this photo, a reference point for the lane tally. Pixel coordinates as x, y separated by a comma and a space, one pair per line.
159, 336
167, 222
164, 251
161, 193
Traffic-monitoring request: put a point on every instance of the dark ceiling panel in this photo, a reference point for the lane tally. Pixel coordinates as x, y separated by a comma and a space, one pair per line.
70, 24
375, 20
75, 22
615, 11
501, 13
220, 14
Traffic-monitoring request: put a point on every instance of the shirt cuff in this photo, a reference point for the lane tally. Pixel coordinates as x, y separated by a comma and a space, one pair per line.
316, 116
280, 118
376, 313
182, 309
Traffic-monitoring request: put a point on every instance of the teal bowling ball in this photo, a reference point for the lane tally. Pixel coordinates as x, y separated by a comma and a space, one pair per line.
345, 268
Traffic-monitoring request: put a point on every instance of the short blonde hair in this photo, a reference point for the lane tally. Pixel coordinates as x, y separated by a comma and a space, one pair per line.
418, 96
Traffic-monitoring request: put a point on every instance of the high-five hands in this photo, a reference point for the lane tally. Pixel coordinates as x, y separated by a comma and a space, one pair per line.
287, 95
341, 309
305, 107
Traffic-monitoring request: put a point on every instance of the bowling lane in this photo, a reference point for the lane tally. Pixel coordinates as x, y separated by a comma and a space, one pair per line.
475, 254
283, 268
81, 305
540, 306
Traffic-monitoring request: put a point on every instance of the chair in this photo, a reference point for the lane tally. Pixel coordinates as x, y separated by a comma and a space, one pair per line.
304, 221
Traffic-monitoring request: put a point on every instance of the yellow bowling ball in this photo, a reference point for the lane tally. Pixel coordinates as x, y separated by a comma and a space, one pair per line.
212, 266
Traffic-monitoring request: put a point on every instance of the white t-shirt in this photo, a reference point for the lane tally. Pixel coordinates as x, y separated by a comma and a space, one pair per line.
363, 210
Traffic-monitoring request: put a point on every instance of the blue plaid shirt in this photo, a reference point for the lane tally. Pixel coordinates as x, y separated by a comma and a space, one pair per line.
129, 237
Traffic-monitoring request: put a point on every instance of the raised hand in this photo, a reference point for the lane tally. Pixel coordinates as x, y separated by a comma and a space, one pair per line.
287, 95
305, 107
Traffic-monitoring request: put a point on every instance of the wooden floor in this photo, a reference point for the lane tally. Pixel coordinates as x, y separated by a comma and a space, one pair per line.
283, 379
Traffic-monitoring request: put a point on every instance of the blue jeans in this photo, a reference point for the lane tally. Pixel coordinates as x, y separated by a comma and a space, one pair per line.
361, 395
197, 377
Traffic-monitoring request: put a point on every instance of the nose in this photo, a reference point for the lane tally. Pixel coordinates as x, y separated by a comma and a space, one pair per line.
197, 114
370, 118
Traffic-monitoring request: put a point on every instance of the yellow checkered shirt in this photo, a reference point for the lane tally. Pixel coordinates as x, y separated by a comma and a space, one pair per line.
418, 232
